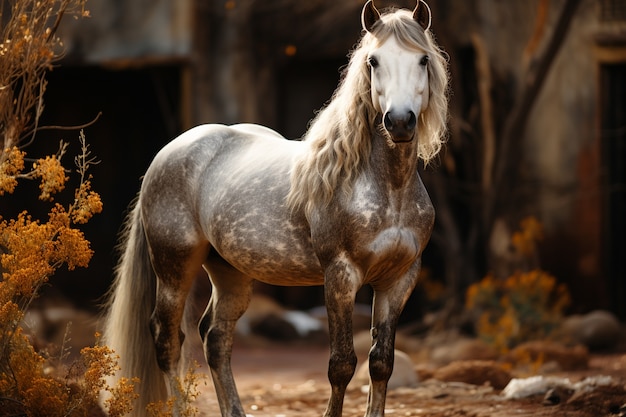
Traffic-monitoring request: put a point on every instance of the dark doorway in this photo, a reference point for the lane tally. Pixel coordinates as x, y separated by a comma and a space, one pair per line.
613, 139
304, 88
140, 113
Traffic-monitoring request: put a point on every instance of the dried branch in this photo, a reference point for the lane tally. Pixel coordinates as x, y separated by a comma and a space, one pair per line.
486, 110
507, 164
56, 127
28, 47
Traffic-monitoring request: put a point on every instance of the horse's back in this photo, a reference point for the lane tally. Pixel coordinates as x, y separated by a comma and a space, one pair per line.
227, 186
257, 130
213, 147
204, 140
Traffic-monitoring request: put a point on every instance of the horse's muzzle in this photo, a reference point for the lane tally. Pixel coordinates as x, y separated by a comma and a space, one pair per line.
400, 126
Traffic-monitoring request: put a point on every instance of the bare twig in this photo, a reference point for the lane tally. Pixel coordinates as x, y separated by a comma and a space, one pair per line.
56, 127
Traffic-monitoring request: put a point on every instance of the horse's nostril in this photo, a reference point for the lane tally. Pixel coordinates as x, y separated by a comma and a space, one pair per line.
388, 122
393, 122
412, 121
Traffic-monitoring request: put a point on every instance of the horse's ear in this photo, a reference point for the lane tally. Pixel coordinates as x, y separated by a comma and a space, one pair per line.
369, 15
422, 14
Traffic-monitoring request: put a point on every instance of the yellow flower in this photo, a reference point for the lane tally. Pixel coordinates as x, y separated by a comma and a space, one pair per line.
524, 240
86, 203
10, 168
52, 175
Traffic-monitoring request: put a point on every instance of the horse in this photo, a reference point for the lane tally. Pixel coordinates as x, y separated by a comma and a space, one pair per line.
344, 207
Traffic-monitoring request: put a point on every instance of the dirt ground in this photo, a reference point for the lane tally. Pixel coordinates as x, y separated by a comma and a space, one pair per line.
289, 379
277, 381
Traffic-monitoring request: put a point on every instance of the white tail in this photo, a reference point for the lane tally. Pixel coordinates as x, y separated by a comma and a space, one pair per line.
126, 327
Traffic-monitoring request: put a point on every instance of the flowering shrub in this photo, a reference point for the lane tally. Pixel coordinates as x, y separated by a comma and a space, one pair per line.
525, 240
186, 392
31, 250
527, 305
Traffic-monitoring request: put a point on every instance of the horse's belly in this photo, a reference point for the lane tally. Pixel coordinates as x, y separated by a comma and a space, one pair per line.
270, 259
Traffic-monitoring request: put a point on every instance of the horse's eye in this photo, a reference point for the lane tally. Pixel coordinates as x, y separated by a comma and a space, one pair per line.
424, 60
373, 62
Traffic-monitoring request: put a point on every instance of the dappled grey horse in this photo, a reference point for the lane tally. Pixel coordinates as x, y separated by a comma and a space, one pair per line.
343, 208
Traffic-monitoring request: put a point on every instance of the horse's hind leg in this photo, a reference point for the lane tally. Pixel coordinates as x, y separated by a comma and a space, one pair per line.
230, 298
176, 267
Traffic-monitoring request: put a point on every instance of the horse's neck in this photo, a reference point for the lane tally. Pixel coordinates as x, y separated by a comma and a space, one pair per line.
396, 165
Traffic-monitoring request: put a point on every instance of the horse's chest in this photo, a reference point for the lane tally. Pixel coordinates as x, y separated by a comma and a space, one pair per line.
389, 233
390, 253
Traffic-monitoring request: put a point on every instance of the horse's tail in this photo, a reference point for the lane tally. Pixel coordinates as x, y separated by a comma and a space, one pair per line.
126, 327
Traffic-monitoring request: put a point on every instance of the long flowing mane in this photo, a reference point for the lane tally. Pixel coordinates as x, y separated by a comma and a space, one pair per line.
339, 138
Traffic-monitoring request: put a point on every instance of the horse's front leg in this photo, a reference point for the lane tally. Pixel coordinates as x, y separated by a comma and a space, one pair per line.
387, 306
341, 284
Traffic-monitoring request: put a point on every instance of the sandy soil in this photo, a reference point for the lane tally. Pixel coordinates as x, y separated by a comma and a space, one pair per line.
277, 380
291, 381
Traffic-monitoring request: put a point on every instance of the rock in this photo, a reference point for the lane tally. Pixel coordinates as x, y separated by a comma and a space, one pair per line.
362, 343
361, 316
544, 352
557, 395
403, 374
537, 385
463, 350
602, 398
270, 320
597, 395
303, 322
274, 327
474, 372
598, 329
260, 307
